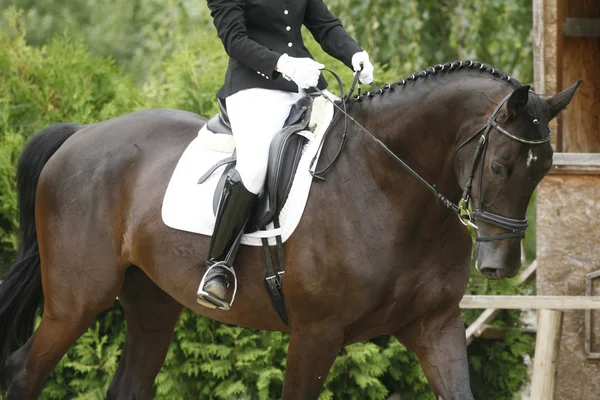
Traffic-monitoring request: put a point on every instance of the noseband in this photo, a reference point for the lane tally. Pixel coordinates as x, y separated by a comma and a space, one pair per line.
515, 227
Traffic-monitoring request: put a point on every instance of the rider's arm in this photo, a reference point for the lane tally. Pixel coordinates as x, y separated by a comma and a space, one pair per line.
329, 32
228, 17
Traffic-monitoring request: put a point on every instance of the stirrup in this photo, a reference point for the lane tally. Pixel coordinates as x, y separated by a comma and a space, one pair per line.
208, 300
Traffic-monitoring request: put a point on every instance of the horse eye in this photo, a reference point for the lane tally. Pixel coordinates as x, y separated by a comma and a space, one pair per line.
497, 169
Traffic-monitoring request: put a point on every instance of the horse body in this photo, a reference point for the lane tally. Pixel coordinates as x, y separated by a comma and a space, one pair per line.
374, 254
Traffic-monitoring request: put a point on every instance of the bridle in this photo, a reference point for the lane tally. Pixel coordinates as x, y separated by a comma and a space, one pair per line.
515, 227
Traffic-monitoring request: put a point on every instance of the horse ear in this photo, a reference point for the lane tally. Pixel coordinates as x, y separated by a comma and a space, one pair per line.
517, 102
559, 101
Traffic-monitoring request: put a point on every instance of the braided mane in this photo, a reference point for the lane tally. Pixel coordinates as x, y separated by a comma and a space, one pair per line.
445, 68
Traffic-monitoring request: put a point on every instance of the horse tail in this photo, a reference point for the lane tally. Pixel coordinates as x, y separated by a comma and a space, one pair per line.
21, 288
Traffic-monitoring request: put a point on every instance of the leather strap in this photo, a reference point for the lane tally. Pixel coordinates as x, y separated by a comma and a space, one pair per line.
212, 169
274, 279
500, 221
510, 235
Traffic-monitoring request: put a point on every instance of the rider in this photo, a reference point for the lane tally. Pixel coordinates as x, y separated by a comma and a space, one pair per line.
269, 71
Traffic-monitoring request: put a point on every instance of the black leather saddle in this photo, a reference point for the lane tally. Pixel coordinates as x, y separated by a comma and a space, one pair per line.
284, 155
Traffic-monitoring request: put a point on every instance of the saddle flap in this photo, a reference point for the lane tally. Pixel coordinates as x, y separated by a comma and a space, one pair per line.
284, 156
299, 111
188, 206
285, 153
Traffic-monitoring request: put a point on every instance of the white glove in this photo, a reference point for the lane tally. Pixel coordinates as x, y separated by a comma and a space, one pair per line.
304, 71
360, 62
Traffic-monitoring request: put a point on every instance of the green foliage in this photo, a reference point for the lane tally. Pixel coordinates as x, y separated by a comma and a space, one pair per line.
405, 35
498, 367
170, 49
374, 370
58, 82
140, 34
10, 149
189, 78
41, 86
86, 370
210, 360
412, 34
216, 361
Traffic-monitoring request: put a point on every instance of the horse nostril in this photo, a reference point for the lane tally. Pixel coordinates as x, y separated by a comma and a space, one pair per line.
491, 273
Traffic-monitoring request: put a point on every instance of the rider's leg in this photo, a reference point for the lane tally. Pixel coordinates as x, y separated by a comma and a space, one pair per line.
256, 115
234, 208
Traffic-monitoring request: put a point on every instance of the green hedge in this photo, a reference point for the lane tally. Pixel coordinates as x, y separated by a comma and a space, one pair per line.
41, 86
408, 34
63, 82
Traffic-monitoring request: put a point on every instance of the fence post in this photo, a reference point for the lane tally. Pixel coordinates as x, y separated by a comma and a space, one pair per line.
546, 354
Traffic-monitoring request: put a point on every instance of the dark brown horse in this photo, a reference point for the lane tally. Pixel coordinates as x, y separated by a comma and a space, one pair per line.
375, 253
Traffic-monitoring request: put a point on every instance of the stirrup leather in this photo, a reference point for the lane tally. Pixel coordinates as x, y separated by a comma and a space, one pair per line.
208, 300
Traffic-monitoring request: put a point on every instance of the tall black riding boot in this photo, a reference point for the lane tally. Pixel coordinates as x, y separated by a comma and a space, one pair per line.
233, 212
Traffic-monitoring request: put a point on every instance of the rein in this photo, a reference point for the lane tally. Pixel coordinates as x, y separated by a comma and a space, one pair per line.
344, 97
515, 227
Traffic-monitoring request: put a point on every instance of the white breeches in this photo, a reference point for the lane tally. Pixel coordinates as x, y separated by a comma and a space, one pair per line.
256, 115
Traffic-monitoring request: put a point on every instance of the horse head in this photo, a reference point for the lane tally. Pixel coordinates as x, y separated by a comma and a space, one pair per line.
512, 154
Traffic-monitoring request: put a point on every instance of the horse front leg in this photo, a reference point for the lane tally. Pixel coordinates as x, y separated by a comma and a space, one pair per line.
439, 342
311, 353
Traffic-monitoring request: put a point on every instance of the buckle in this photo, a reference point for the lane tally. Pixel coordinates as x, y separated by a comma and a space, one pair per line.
464, 215
467, 219
275, 283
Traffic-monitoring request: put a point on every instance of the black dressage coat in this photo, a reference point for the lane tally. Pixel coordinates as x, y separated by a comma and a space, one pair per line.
255, 33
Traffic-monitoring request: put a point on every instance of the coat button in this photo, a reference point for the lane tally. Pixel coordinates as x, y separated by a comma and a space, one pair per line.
288, 28
290, 44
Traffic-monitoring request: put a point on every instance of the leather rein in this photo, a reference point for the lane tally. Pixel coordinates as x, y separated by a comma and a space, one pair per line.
466, 213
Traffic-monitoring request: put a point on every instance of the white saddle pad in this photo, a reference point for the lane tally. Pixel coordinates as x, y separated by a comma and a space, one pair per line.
188, 206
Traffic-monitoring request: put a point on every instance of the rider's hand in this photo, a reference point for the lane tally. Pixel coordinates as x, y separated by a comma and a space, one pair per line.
360, 62
304, 71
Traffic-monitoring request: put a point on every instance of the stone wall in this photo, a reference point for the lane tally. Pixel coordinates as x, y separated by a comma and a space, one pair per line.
568, 248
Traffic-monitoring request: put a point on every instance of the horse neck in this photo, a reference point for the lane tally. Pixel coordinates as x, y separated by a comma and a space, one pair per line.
422, 124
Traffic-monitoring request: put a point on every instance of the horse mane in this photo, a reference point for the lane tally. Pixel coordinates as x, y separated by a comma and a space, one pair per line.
454, 66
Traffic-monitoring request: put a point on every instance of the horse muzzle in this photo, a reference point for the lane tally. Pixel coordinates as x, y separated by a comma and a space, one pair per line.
495, 263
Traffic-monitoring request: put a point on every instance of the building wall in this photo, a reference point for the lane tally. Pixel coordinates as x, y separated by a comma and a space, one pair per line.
568, 248
568, 200
559, 61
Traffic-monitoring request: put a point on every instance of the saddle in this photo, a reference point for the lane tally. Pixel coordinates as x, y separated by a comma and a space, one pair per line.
285, 153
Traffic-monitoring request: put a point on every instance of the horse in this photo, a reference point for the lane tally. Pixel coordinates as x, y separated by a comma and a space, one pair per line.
374, 254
